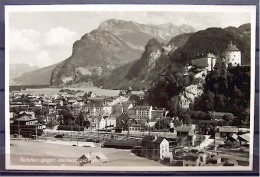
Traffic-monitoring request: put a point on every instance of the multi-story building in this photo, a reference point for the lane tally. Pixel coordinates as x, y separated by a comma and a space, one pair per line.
186, 135
154, 147
26, 126
207, 61
97, 108
143, 111
135, 127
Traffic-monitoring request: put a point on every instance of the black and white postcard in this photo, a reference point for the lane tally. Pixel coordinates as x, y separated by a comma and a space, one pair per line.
130, 87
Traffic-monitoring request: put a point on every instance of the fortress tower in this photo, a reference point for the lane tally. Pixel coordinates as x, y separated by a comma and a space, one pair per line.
232, 55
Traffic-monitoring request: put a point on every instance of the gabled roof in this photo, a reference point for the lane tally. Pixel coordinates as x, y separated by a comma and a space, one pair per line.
183, 129
26, 112
83, 157
147, 138
25, 118
220, 114
158, 140
98, 118
72, 101
95, 104
142, 107
245, 137
228, 129
153, 139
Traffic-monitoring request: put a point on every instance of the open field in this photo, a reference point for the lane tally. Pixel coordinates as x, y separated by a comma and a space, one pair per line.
42, 153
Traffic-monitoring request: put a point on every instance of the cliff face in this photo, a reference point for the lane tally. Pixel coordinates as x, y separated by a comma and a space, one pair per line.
141, 73
94, 55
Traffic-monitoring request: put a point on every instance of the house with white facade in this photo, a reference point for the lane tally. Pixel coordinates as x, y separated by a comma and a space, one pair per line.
142, 112
154, 147
207, 61
103, 122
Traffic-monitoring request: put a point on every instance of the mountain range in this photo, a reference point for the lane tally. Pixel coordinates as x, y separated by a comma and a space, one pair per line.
119, 54
113, 44
16, 70
158, 59
36, 77
137, 35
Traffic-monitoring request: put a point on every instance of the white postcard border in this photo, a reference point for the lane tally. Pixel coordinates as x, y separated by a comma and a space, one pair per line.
91, 7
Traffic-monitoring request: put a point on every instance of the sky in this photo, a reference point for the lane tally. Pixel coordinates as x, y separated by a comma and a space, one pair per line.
45, 38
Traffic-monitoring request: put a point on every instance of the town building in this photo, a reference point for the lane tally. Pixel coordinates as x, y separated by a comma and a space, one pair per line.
156, 113
26, 126
142, 112
186, 135
117, 109
225, 131
103, 122
29, 114
136, 127
97, 108
122, 144
154, 147
244, 139
215, 160
207, 61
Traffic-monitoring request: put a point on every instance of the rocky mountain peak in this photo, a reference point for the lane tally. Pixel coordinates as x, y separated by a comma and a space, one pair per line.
93, 56
152, 44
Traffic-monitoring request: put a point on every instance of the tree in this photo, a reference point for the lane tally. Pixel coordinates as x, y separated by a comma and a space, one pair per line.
227, 118
177, 123
87, 123
162, 124
80, 120
187, 119
66, 117
219, 102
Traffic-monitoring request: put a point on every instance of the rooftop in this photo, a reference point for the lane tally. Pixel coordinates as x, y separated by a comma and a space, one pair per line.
191, 156
228, 129
25, 118
153, 139
245, 136
232, 47
185, 128
26, 112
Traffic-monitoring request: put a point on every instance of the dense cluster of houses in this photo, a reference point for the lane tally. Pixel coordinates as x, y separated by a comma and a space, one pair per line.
100, 111
182, 150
